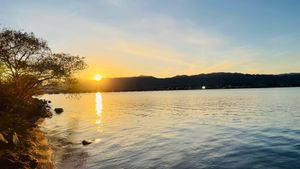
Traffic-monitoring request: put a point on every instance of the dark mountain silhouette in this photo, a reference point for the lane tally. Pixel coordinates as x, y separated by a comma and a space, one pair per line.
210, 81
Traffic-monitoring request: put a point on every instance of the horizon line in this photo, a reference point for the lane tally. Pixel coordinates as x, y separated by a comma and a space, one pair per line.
139, 76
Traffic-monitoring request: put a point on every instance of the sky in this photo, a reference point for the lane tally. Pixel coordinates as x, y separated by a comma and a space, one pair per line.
164, 38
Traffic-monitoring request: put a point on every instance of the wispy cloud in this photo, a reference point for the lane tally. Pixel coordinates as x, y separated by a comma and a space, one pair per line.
155, 44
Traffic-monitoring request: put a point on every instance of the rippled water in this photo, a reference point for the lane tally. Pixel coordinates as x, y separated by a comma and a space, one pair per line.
240, 128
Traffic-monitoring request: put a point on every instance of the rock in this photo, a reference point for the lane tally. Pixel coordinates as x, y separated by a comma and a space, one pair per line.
58, 110
85, 142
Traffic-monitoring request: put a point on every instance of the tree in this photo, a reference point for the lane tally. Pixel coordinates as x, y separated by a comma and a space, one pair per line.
29, 66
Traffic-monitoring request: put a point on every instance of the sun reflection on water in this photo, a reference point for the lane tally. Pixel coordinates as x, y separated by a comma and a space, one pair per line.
99, 107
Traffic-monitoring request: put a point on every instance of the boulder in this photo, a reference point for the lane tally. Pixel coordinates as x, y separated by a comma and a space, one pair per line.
86, 142
58, 110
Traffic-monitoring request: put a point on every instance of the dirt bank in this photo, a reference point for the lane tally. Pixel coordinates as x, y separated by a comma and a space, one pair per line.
22, 143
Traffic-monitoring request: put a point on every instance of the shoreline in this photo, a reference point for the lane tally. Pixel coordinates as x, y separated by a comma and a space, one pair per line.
23, 143
126, 91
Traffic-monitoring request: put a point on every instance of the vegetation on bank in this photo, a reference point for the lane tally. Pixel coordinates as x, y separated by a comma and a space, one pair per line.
28, 68
22, 144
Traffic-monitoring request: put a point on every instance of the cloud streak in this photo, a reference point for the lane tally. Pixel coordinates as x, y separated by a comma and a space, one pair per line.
156, 44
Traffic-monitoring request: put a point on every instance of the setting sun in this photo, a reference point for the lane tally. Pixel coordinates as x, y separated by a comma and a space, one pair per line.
97, 77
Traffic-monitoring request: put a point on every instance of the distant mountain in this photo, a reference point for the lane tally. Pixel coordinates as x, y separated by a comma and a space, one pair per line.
184, 82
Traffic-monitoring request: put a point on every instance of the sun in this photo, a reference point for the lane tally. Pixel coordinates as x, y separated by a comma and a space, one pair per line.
97, 77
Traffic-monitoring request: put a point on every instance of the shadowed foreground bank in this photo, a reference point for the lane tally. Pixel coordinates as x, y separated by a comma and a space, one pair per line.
22, 143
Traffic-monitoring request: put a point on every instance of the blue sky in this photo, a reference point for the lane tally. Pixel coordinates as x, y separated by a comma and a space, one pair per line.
166, 37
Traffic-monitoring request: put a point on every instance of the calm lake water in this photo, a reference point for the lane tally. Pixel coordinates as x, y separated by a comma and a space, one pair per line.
239, 128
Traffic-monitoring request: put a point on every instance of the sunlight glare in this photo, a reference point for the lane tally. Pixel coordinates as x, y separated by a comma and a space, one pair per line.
98, 106
97, 77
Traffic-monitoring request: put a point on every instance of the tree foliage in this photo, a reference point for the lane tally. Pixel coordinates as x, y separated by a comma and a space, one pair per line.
29, 66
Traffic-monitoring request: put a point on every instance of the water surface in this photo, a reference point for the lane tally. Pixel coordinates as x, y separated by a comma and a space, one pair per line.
239, 128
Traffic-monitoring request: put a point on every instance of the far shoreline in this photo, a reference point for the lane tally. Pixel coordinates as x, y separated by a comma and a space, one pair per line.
166, 90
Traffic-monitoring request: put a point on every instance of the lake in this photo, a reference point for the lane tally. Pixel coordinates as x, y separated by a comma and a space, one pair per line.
232, 128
